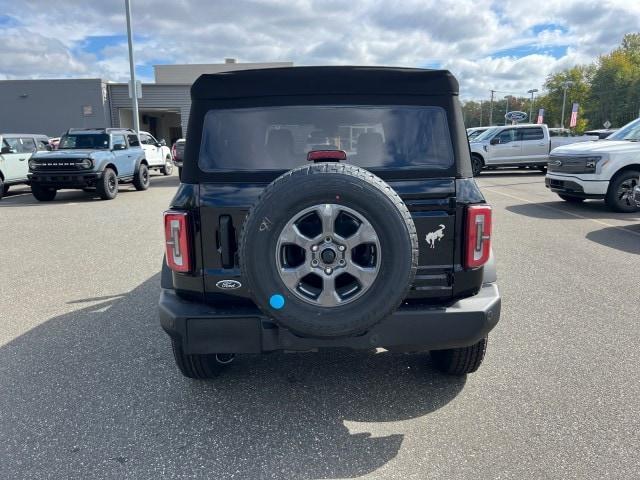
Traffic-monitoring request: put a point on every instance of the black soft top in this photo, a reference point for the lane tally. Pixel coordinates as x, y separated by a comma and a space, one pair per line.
324, 81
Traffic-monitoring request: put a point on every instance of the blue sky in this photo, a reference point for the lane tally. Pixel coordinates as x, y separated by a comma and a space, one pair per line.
507, 45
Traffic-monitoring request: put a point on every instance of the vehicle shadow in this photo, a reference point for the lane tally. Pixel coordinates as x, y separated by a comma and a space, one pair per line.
95, 394
562, 210
616, 238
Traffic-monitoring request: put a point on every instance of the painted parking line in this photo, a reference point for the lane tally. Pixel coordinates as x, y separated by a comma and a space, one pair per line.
565, 212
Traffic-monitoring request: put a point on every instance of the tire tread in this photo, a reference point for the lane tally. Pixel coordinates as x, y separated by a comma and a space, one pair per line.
460, 361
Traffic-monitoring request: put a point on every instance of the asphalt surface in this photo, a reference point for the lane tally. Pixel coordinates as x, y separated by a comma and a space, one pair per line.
88, 387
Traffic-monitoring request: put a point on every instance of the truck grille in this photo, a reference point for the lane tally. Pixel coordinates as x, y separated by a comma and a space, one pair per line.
575, 164
58, 164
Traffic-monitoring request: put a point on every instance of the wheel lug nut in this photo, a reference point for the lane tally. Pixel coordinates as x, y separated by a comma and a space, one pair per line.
341, 262
328, 271
314, 262
314, 248
328, 239
341, 248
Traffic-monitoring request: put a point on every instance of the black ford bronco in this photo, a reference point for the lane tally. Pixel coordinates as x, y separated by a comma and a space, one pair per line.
327, 207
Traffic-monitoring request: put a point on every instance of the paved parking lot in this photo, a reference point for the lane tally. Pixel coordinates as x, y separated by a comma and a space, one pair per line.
88, 388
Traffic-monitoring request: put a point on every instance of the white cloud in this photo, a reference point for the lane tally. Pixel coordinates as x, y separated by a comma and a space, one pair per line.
486, 44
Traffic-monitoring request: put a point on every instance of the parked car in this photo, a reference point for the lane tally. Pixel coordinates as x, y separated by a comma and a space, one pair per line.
95, 158
271, 245
525, 145
472, 133
15, 153
601, 133
607, 169
178, 154
157, 153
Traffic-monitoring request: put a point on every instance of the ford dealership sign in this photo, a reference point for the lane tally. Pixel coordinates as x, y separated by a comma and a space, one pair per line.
516, 116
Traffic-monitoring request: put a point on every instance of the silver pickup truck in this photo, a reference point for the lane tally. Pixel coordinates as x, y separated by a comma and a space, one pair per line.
525, 145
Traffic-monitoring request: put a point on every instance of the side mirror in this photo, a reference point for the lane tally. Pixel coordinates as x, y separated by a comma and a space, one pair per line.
48, 147
163, 143
494, 141
6, 150
119, 146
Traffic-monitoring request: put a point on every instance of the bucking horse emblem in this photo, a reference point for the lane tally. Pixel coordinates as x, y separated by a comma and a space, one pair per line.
433, 236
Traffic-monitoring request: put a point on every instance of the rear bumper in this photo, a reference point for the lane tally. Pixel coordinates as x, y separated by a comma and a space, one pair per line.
65, 179
206, 329
577, 187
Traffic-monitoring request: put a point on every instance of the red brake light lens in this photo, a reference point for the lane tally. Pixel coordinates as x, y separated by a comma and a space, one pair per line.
326, 155
478, 244
177, 241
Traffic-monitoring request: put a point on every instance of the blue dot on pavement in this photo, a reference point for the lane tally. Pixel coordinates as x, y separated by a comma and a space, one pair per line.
276, 301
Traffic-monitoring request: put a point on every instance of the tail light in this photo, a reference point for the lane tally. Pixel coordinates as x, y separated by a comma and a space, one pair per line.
177, 241
173, 150
478, 241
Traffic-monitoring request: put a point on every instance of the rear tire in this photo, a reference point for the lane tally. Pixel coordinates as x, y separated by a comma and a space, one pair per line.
570, 198
619, 196
3, 190
476, 165
460, 361
43, 194
168, 166
200, 367
141, 178
107, 186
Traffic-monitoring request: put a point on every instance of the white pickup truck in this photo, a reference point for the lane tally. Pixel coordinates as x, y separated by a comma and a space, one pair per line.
607, 169
525, 145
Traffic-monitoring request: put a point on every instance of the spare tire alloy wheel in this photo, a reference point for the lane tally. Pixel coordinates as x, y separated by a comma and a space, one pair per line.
328, 250
328, 255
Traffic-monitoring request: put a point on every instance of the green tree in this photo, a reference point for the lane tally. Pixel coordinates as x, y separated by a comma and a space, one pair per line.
578, 91
615, 87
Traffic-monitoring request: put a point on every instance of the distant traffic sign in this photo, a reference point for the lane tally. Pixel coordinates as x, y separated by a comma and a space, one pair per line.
606, 124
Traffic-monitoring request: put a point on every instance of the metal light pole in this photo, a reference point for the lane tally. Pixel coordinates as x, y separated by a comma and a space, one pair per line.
506, 108
491, 109
532, 91
565, 86
132, 69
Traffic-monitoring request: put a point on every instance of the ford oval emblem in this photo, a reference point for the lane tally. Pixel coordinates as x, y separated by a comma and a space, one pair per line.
228, 284
516, 116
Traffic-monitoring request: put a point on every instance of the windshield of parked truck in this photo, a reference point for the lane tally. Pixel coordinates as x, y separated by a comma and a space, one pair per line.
631, 132
275, 138
475, 133
73, 141
486, 134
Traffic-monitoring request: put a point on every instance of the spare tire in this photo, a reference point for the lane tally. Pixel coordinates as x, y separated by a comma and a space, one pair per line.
328, 250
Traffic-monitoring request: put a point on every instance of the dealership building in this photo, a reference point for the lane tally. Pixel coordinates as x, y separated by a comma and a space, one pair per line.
50, 107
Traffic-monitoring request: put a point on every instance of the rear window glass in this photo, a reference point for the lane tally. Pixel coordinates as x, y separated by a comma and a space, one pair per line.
277, 138
84, 140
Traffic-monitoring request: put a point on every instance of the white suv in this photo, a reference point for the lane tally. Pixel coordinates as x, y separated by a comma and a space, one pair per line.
607, 169
157, 153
